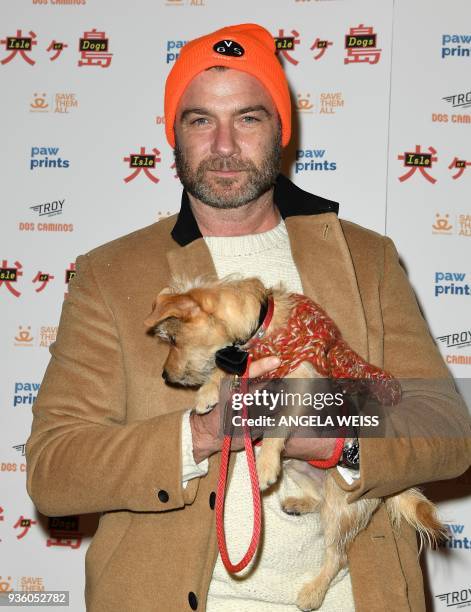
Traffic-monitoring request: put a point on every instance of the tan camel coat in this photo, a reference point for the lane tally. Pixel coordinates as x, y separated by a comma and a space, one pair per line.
106, 433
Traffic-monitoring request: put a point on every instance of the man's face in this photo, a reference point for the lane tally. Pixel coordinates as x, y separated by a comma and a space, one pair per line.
228, 138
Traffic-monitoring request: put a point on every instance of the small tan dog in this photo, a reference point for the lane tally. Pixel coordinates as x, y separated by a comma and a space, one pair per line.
198, 318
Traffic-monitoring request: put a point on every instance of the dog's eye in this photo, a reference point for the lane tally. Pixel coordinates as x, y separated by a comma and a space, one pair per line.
166, 330
164, 335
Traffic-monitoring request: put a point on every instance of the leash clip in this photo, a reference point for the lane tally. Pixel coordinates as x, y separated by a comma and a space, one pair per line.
235, 384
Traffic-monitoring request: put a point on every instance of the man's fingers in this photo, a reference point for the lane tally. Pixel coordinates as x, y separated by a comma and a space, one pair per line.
262, 366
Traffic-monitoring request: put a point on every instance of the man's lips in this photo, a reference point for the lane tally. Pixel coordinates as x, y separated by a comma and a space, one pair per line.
227, 173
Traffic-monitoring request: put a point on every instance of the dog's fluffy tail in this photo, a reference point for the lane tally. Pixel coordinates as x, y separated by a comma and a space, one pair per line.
413, 507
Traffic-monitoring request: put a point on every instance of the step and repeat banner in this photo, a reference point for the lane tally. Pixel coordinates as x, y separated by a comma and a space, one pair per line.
382, 123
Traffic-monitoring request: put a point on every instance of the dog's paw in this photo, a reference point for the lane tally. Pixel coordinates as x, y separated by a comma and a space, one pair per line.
309, 598
203, 408
267, 471
299, 505
206, 398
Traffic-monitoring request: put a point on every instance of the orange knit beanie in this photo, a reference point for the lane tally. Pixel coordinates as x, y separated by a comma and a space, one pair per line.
247, 47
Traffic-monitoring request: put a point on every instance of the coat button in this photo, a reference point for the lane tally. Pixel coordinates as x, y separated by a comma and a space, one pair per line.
212, 500
192, 600
163, 496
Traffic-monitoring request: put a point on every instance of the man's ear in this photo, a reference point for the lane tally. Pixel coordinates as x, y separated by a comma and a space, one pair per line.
182, 307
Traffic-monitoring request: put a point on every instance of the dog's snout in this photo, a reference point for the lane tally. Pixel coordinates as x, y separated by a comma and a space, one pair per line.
165, 375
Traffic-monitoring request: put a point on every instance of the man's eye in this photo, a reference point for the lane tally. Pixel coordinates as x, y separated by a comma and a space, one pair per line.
199, 121
250, 119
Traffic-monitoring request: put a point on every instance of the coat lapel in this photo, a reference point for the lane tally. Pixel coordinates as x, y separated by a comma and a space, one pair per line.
325, 266
191, 260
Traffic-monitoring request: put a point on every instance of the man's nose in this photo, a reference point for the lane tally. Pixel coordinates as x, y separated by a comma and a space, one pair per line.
225, 140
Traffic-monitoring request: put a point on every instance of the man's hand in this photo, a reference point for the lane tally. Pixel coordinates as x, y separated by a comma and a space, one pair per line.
205, 428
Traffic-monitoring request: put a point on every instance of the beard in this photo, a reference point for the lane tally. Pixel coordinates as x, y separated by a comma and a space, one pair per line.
218, 192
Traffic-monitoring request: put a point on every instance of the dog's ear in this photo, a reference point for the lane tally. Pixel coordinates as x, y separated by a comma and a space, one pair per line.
182, 307
207, 299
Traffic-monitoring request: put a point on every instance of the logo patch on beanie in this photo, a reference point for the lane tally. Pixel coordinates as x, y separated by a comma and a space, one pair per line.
229, 47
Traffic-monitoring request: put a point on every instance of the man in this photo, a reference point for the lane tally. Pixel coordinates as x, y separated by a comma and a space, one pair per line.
109, 436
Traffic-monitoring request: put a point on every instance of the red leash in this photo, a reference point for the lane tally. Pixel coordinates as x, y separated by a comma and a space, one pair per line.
250, 456
257, 509
221, 491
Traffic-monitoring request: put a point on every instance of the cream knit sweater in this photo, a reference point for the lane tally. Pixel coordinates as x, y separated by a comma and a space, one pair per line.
291, 547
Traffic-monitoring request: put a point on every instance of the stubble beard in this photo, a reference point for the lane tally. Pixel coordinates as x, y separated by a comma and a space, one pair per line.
218, 192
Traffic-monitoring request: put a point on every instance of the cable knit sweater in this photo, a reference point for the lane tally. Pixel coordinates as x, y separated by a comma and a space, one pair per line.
291, 547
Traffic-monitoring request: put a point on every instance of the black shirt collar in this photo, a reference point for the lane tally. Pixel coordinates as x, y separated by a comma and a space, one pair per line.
289, 198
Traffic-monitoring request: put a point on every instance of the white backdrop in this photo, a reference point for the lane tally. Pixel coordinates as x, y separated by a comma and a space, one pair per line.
398, 108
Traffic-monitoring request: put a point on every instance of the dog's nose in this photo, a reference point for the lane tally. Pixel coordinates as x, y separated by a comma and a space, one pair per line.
165, 375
